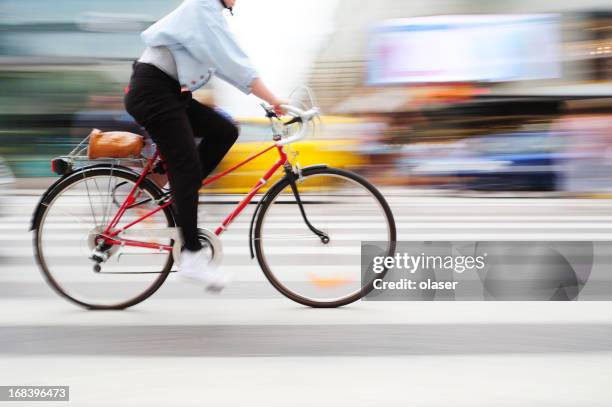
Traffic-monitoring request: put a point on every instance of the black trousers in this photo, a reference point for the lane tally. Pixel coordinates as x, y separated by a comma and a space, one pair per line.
173, 119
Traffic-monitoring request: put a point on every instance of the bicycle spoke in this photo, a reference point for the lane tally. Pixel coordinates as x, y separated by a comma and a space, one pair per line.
90, 204
81, 220
109, 198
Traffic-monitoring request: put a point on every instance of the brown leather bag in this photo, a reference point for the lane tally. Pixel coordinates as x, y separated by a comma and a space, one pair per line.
114, 144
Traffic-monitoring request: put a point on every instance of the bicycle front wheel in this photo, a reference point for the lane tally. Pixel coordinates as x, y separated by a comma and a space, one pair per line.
308, 237
75, 213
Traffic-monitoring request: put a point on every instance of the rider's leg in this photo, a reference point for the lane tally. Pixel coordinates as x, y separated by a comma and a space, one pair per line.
219, 134
174, 138
156, 102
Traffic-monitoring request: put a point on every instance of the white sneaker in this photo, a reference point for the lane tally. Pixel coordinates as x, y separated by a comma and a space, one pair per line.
195, 267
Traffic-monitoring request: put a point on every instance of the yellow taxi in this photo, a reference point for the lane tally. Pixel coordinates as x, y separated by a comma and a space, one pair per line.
336, 143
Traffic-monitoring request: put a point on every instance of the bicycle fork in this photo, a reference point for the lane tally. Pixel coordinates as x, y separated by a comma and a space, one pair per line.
292, 176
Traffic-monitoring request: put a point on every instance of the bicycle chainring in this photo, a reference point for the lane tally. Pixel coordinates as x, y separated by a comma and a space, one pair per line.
211, 244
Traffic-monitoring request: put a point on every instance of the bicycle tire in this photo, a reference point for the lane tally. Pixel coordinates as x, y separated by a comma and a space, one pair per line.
56, 191
270, 198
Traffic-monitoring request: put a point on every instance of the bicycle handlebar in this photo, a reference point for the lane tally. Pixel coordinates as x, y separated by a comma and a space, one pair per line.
304, 117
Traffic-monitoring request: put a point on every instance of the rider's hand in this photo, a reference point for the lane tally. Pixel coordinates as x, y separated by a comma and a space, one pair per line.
277, 106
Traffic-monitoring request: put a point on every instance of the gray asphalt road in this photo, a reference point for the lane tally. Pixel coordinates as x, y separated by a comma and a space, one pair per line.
251, 346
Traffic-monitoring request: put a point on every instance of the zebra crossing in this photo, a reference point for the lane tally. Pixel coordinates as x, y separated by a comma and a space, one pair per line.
251, 346
416, 217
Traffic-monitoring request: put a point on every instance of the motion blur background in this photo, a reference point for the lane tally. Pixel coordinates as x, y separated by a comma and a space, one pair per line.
448, 94
443, 104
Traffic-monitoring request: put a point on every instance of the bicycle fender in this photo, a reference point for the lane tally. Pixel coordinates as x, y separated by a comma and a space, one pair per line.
255, 213
45, 199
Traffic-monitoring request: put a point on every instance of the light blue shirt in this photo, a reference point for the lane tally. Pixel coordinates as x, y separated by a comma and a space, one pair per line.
202, 45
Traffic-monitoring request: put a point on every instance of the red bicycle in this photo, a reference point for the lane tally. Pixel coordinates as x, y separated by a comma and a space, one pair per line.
105, 235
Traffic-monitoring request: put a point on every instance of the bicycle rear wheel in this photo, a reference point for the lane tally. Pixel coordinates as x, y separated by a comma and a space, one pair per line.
314, 257
73, 215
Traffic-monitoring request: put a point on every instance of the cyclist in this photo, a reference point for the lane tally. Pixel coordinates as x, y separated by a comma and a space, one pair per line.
184, 50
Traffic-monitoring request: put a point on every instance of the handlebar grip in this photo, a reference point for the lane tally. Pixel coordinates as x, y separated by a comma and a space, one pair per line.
305, 117
292, 110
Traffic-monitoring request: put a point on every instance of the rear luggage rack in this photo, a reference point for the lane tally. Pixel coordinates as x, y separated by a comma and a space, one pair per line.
78, 158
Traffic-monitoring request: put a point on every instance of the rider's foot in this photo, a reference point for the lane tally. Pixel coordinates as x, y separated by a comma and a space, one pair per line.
195, 267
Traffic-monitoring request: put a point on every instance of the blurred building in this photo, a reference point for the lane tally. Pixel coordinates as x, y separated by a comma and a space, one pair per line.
64, 64
585, 31
62, 61
76, 30
479, 133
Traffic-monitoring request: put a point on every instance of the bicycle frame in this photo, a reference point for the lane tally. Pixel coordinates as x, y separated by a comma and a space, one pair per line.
110, 234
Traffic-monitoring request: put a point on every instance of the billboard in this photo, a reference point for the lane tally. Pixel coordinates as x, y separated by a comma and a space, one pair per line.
464, 48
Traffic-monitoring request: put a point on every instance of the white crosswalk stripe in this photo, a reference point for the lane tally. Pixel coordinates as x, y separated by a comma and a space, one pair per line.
249, 343
457, 219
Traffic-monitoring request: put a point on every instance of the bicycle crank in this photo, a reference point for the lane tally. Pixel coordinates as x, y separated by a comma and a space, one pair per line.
211, 244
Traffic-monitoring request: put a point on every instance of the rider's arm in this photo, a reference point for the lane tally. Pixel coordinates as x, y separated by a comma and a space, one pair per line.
259, 89
221, 49
234, 66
